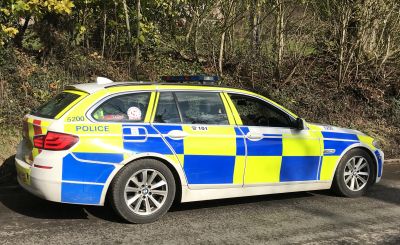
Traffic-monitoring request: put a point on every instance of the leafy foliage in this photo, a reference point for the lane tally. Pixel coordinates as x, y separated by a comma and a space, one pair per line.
324, 59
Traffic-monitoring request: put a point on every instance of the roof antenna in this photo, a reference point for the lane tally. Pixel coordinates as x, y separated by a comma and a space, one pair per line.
103, 80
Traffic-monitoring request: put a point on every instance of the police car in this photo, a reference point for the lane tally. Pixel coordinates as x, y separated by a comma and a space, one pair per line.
143, 145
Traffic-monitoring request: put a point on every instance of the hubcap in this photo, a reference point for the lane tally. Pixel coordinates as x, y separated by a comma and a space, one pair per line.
356, 173
146, 191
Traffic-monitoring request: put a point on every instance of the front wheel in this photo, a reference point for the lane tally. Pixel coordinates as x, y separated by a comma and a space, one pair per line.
354, 174
143, 191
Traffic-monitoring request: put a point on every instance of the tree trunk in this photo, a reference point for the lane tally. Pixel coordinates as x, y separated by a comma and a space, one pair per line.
127, 21
138, 34
104, 33
21, 32
195, 37
279, 38
343, 25
221, 52
254, 25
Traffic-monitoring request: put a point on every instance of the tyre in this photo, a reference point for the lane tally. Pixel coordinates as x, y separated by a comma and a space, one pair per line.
143, 191
354, 174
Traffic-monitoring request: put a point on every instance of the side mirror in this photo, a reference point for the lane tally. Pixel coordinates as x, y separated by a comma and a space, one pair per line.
300, 123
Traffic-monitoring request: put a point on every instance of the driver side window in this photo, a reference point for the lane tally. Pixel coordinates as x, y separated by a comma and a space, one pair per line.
255, 112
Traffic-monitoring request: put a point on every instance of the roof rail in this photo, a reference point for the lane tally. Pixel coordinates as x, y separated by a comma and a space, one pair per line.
134, 83
203, 79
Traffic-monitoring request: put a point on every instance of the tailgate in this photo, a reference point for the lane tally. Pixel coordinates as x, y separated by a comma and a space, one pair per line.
38, 121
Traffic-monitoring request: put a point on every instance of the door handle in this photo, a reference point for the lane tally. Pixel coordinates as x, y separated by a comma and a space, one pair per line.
253, 136
177, 134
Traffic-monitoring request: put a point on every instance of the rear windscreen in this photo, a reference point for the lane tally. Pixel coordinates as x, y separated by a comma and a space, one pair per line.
54, 106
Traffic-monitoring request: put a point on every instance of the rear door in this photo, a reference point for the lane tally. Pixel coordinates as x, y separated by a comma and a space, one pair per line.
202, 132
37, 122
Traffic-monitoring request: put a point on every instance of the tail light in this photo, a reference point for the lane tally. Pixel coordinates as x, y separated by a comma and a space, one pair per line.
54, 141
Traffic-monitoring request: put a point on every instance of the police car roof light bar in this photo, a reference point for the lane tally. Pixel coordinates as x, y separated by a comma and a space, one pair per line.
189, 79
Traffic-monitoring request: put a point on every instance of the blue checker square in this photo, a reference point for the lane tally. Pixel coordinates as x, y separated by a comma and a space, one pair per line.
240, 146
337, 145
165, 129
152, 144
209, 169
265, 147
337, 135
74, 170
81, 193
299, 168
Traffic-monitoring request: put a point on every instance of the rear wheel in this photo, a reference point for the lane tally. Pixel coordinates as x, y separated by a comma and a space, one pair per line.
354, 174
143, 191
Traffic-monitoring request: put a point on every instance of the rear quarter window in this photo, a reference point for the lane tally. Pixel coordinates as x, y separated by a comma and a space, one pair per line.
55, 106
130, 107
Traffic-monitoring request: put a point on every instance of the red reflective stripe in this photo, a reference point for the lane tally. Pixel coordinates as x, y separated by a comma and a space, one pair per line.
37, 129
41, 166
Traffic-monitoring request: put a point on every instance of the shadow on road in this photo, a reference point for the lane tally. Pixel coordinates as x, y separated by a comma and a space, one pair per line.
24, 203
237, 201
8, 175
21, 202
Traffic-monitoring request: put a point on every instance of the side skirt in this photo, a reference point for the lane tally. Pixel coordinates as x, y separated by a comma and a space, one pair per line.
191, 195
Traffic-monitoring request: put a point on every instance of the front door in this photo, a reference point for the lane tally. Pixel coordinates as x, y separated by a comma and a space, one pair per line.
202, 134
276, 151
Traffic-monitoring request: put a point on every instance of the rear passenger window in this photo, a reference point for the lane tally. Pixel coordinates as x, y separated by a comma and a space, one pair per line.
124, 108
201, 108
167, 110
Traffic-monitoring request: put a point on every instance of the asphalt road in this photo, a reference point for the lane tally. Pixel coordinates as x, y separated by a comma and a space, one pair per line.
308, 217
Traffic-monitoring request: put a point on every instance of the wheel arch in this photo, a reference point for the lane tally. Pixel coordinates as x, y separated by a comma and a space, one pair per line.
364, 147
175, 169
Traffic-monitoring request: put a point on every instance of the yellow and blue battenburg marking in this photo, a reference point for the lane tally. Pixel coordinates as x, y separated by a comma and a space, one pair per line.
281, 158
85, 172
207, 154
217, 155
334, 144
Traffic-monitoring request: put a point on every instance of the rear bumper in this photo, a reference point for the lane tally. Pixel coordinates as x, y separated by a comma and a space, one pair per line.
34, 180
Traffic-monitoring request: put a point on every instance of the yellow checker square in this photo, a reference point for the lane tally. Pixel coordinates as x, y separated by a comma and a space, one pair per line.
313, 127
301, 146
263, 169
210, 140
178, 159
315, 134
35, 152
367, 140
328, 167
238, 172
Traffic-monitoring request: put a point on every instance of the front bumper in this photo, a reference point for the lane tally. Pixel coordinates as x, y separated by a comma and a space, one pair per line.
380, 158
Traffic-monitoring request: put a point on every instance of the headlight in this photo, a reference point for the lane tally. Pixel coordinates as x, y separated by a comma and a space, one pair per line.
376, 144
